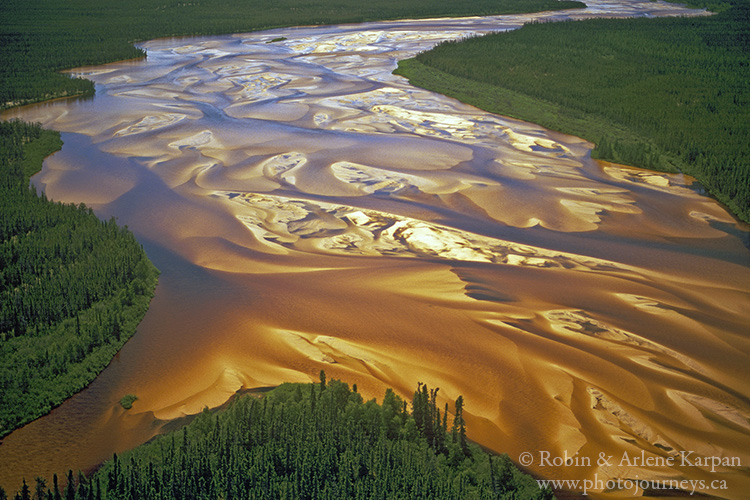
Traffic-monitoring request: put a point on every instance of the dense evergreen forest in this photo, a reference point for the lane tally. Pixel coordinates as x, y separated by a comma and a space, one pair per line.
72, 287
40, 37
307, 441
668, 94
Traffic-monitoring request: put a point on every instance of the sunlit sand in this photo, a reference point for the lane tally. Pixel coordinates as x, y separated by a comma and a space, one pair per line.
309, 210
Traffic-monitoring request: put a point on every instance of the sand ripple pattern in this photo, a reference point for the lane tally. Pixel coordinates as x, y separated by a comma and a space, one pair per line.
310, 210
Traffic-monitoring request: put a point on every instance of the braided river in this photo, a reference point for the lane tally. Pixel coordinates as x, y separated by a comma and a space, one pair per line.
309, 210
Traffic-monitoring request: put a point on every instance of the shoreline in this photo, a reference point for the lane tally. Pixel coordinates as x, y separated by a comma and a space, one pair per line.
306, 343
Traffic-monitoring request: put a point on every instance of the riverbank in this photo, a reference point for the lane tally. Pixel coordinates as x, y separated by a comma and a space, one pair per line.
39, 39
308, 441
309, 210
663, 94
74, 288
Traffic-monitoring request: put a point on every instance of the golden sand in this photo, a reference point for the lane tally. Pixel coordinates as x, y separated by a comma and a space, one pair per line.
311, 211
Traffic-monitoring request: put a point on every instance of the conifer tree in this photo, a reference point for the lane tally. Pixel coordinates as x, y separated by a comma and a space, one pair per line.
459, 426
70, 488
25, 493
40, 490
55, 488
279, 448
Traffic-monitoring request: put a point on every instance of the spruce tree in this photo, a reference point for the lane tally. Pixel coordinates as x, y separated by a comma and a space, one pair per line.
55, 488
40, 491
25, 493
459, 426
70, 488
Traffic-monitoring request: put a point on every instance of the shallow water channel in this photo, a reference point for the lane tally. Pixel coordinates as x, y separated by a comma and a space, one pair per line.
309, 210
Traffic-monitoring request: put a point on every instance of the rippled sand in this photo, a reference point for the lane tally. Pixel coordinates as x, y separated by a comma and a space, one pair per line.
310, 211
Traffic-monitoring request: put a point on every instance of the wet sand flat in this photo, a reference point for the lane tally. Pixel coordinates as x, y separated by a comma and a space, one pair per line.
309, 210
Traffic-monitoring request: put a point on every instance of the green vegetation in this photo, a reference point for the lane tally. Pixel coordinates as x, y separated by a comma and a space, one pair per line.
128, 400
667, 94
40, 37
305, 441
73, 288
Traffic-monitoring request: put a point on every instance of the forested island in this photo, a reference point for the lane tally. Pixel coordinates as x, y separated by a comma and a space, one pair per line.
73, 288
306, 441
670, 94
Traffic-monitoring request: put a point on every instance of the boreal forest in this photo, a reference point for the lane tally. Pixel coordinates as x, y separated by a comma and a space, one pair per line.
670, 94
306, 441
39, 38
73, 288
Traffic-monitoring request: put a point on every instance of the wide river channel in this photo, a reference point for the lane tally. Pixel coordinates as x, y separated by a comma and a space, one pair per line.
309, 210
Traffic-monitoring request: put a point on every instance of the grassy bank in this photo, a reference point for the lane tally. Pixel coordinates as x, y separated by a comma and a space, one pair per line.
73, 288
40, 37
308, 441
667, 94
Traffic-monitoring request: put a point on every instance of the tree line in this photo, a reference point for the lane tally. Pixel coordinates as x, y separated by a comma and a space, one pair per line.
38, 38
306, 441
72, 287
668, 94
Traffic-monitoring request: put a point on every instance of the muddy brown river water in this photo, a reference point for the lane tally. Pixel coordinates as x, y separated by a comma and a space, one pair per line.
309, 210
